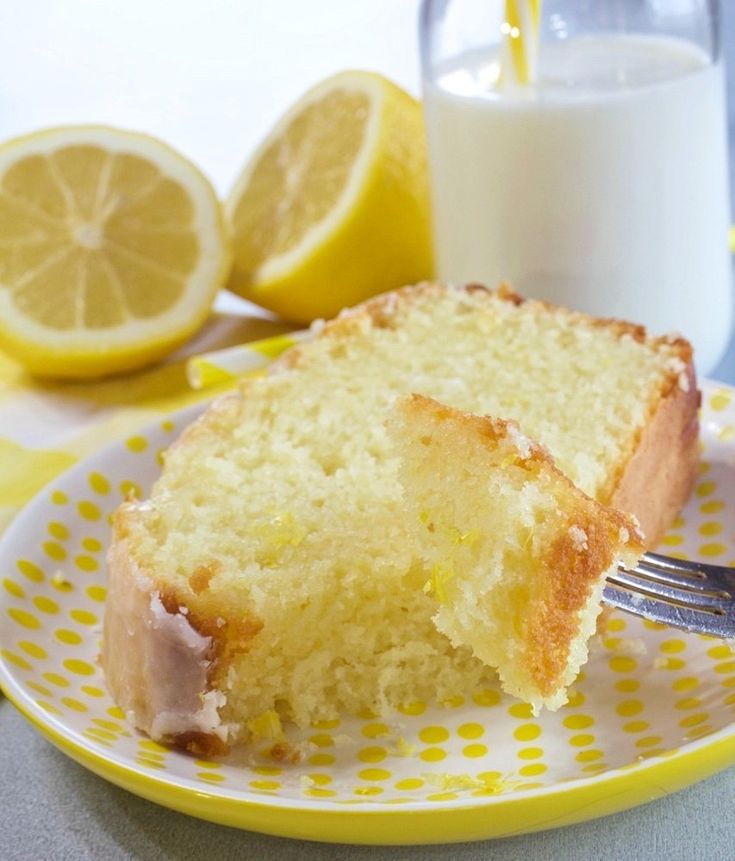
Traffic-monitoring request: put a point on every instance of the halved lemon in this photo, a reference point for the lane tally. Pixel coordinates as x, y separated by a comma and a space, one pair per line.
112, 247
333, 207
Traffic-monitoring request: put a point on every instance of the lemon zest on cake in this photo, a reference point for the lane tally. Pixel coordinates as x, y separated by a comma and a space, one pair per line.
436, 586
266, 726
470, 537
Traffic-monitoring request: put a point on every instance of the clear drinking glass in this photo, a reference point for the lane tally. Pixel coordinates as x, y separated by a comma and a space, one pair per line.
603, 184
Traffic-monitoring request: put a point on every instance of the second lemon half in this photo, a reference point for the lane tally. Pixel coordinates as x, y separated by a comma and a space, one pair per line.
333, 207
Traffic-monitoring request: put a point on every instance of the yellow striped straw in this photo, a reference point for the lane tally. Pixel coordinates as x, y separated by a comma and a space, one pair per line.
220, 366
520, 29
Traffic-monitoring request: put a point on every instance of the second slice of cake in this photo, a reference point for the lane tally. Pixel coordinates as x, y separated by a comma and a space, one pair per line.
517, 554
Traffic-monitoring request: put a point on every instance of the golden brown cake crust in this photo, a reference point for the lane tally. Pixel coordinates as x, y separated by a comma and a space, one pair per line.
660, 474
567, 582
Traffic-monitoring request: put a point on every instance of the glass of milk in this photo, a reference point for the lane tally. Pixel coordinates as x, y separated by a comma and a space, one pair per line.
603, 184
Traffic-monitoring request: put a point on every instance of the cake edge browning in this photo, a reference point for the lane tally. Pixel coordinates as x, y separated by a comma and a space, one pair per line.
661, 471
157, 665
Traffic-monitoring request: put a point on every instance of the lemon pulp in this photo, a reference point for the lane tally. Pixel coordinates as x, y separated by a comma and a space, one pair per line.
112, 249
333, 207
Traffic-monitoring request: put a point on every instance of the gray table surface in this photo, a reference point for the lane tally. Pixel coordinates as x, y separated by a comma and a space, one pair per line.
52, 808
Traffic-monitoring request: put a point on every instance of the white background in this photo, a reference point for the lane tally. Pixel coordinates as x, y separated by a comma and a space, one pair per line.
208, 76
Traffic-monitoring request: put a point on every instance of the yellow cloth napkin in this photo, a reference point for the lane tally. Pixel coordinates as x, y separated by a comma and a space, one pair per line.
45, 427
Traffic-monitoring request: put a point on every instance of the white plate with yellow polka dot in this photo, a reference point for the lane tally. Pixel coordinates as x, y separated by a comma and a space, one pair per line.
652, 712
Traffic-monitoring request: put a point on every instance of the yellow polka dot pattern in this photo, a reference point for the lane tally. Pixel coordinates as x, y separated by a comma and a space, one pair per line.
646, 692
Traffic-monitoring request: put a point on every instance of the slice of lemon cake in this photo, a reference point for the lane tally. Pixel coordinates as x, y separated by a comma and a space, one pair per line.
517, 554
273, 567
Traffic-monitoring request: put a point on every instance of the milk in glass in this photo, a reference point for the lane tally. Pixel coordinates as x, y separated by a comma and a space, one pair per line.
602, 186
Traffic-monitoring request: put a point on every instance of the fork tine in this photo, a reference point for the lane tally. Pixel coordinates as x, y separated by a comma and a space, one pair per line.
658, 580
695, 596
687, 618
650, 569
691, 571
638, 580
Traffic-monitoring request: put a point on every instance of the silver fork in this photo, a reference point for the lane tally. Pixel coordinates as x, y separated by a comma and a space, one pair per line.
695, 596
